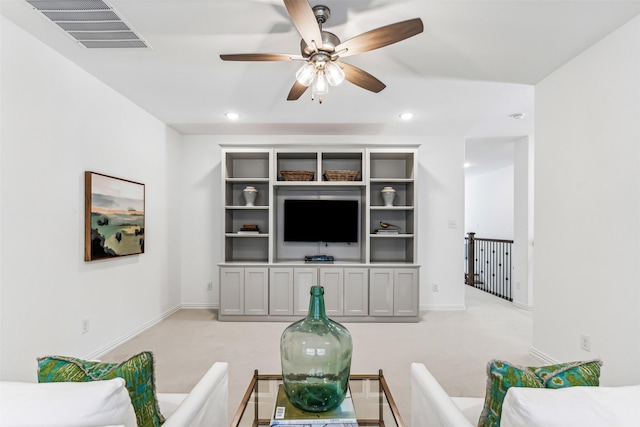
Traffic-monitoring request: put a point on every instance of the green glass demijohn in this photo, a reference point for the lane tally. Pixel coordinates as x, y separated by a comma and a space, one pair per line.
316, 358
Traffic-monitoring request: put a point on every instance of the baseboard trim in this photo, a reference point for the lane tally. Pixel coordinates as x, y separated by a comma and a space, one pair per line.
542, 356
200, 306
522, 305
126, 337
442, 307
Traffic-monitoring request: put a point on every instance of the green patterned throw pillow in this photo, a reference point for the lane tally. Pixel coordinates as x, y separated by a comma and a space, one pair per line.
570, 374
503, 375
136, 371
500, 377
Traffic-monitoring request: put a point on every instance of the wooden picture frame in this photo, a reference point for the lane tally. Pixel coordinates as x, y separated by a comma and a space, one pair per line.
113, 217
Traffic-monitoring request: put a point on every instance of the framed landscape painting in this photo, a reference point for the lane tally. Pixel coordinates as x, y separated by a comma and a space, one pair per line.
114, 217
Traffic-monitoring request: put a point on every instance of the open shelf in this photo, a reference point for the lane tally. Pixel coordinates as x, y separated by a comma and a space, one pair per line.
235, 219
404, 193
389, 165
387, 249
296, 161
247, 164
234, 197
342, 161
246, 249
402, 219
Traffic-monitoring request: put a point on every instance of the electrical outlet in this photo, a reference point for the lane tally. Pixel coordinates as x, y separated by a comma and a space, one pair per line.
517, 284
435, 288
85, 326
453, 223
210, 286
585, 342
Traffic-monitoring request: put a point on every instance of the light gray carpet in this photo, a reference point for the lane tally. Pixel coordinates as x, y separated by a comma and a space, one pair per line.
454, 345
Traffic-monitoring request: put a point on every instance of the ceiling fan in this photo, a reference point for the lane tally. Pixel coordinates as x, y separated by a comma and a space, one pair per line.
322, 51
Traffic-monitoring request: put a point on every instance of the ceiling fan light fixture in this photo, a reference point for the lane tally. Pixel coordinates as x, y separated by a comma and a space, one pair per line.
322, 49
320, 84
334, 73
306, 74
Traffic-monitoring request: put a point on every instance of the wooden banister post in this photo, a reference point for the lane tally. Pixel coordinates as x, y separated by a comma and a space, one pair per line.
471, 257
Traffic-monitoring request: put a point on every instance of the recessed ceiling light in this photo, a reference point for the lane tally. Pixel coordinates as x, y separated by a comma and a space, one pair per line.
406, 116
467, 164
517, 116
232, 116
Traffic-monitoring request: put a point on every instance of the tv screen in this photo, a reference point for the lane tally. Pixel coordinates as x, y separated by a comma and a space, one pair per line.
320, 220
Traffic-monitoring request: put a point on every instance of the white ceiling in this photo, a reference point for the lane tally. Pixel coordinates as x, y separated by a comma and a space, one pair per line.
475, 63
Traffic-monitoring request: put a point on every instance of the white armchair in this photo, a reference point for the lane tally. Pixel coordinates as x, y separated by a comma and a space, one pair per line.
525, 407
205, 405
432, 406
107, 403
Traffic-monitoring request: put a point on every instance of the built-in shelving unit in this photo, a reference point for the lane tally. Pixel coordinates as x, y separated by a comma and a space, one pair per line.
371, 280
392, 168
242, 168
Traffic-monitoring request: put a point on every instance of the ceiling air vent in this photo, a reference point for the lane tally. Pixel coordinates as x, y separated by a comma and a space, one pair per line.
93, 23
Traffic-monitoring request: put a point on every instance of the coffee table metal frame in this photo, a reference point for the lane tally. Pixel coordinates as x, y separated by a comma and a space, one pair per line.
386, 404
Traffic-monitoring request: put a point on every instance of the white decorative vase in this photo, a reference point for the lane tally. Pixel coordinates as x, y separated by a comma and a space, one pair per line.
249, 193
388, 194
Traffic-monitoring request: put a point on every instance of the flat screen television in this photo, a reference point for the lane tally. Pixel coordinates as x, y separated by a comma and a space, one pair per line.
320, 220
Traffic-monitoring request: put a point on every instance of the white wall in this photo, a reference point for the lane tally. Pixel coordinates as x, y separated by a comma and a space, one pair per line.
441, 183
587, 207
441, 201
523, 182
201, 226
57, 122
489, 201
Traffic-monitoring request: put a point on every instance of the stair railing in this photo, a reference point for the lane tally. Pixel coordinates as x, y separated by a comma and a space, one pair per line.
488, 265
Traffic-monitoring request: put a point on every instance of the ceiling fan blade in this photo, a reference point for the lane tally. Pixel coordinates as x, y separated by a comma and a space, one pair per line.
296, 91
260, 57
380, 37
305, 21
361, 78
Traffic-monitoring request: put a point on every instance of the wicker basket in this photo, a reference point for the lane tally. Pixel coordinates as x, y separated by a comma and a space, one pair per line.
340, 175
297, 175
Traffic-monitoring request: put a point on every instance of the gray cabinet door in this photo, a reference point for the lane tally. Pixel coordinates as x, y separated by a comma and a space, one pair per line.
405, 292
232, 291
332, 280
280, 291
256, 291
381, 292
303, 279
356, 292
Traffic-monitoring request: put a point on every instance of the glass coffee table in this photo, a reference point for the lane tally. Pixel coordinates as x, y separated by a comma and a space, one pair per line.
372, 401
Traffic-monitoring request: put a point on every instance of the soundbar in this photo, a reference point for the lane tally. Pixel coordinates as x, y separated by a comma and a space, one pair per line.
318, 258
